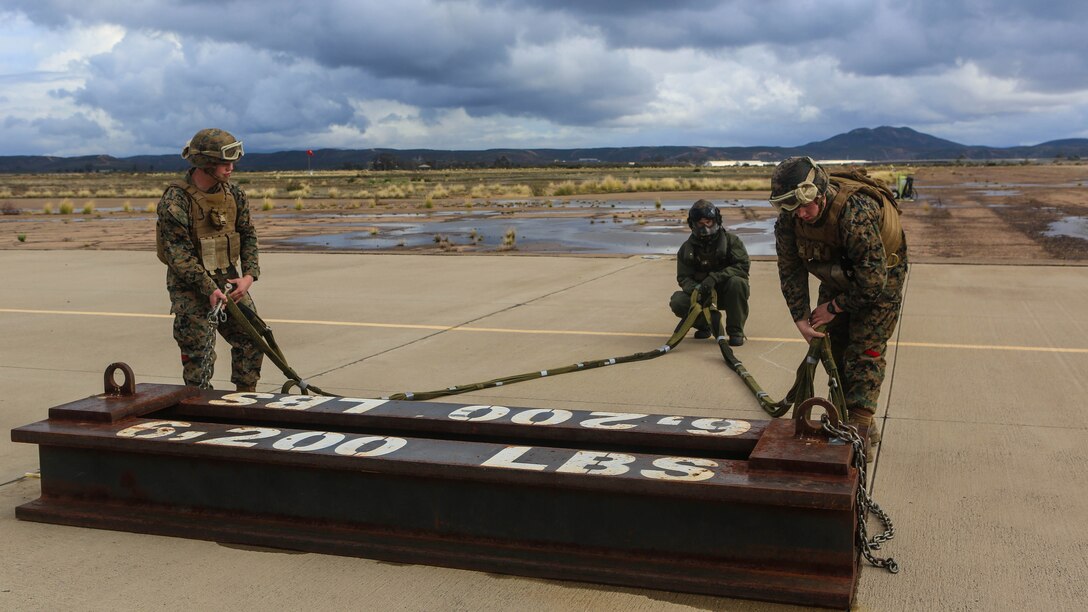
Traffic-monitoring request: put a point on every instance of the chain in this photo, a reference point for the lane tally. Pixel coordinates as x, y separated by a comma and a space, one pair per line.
865, 503
215, 317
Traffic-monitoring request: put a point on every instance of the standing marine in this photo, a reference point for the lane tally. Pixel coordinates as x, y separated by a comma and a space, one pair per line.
205, 237
712, 259
842, 228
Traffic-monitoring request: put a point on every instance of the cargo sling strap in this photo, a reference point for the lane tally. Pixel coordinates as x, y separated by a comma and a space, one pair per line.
262, 336
803, 388
697, 310
819, 351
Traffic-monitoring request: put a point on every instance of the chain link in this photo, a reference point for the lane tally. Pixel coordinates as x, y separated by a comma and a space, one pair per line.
215, 317
865, 503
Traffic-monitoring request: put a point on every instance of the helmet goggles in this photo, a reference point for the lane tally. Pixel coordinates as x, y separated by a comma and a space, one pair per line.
803, 194
228, 152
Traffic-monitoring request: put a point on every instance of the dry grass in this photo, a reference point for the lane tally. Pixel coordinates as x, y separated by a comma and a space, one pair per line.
440, 186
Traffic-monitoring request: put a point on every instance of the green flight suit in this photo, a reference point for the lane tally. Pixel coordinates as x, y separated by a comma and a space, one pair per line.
724, 259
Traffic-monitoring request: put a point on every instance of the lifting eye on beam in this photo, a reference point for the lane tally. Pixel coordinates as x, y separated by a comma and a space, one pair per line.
720, 506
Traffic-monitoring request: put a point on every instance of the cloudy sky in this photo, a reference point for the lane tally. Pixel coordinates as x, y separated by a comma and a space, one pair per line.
124, 78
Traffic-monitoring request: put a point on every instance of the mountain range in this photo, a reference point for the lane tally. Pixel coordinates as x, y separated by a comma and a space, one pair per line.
882, 144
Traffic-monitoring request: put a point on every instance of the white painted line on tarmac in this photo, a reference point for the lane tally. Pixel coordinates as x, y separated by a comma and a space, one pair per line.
505, 330
88, 313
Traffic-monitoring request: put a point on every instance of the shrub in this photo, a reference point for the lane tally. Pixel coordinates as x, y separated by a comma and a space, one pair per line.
21, 237
66, 207
48, 208
510, 239
563, 189
298, 203
523, 191
88, 208
611, 184
439, 192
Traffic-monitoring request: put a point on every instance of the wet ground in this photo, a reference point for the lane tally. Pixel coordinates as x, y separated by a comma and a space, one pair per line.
624, 227
982, 213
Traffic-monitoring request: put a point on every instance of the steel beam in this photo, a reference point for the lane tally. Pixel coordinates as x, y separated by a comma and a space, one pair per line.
716, 506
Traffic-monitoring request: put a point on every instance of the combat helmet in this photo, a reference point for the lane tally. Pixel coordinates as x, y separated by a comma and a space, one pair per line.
212, 146
796, 182
704, 209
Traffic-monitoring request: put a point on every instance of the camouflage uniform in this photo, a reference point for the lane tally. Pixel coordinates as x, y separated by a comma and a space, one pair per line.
869, 300
190, 285
725, 260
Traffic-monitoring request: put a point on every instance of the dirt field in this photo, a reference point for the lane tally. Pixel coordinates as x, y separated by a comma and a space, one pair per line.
976, 213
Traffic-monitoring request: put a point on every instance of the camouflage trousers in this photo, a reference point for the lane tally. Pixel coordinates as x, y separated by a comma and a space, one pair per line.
195, 336
732, 299
859, 341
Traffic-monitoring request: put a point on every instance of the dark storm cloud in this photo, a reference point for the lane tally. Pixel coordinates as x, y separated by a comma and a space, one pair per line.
433, 54
1041, 44
713, 71
75, 126
191, 85
46, 135
460, 42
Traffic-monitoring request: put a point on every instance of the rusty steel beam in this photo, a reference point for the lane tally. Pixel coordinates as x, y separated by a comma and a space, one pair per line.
724, 507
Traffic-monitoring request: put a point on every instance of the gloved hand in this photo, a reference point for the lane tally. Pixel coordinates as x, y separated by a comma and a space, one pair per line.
706, 293
706, 288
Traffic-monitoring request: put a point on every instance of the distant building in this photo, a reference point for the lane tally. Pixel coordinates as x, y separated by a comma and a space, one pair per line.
842, 162
729, 163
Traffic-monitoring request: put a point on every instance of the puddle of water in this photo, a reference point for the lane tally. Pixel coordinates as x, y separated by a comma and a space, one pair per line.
997, 193
380, 215
541, 235
636, 204
75, 218
1073, 227
983, 185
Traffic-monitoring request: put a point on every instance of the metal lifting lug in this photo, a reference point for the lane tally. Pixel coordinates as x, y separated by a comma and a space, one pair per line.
126, 388
808, 428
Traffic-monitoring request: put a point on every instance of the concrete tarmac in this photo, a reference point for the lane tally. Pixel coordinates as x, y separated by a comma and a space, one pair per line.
983, 468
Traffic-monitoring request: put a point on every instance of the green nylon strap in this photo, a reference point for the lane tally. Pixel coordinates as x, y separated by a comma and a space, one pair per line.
696, 311
267, 344
819, 351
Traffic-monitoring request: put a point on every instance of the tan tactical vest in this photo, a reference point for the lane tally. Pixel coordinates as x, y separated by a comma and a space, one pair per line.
819, 245
212, 226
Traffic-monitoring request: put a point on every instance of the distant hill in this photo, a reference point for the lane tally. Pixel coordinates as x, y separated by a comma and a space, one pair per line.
882, 144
